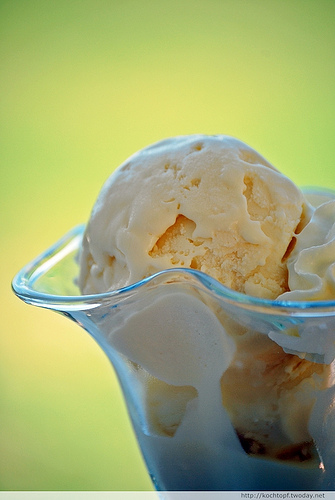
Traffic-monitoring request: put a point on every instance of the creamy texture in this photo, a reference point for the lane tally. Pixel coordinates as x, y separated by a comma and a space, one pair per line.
311, 265
204, 379
311, 270
278, 390
210, 203
217, 405
186, 362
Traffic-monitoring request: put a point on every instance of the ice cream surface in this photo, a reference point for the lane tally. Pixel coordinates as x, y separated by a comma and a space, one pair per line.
206, 376
311, 271
209, 203
311, 264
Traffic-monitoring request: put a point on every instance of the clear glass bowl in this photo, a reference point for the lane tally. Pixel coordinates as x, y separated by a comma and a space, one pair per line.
169, 339
197, 447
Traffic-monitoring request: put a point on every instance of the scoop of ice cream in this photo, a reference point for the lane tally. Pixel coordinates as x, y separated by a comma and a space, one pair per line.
311, 268
210, 203
180, 349
311, 264
279, 391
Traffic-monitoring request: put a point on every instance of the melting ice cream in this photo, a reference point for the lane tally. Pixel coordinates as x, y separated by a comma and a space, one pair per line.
213, 204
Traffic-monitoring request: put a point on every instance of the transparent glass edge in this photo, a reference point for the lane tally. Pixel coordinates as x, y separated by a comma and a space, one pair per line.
21, 286
318, 190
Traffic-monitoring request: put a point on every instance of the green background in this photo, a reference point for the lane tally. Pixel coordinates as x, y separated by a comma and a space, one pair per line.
83, 85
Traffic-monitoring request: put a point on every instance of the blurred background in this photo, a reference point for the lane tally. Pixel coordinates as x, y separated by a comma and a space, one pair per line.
84, 84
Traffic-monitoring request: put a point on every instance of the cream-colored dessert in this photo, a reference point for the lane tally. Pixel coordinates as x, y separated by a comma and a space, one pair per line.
210, 203
311, 265
213, 204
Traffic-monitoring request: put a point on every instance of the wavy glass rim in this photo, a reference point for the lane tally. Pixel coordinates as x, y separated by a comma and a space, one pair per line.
23, 286
319, 191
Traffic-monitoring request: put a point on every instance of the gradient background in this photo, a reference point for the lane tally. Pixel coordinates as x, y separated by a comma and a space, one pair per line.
83, 85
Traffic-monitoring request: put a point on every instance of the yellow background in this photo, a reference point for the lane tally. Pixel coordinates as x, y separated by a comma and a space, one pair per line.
84, 84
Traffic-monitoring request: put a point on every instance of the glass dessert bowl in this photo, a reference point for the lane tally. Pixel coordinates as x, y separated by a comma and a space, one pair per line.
218, 388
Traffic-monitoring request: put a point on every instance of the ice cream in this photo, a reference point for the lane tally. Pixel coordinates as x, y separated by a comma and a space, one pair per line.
311, 265
207, 381
208, 203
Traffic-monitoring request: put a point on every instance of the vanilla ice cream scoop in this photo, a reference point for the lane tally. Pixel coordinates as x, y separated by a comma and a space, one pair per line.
311, 264
209, 203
